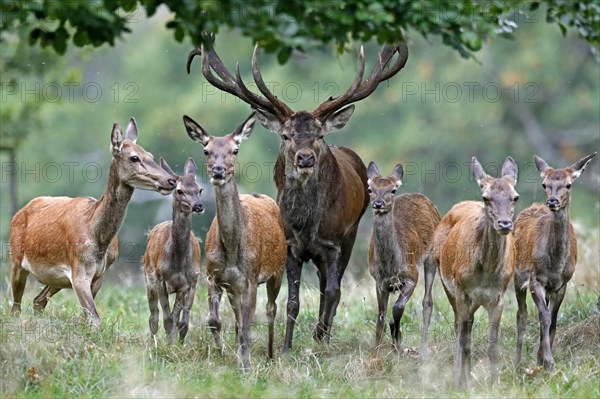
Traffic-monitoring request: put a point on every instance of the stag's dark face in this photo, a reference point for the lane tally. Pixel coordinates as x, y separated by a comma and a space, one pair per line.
302, 143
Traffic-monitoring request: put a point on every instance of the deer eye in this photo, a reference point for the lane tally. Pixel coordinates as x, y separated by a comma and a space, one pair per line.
543, 186
180, 192
485, 198
515, 199
568, 186
235, 152
285, 137
135, 158
394, 191
206, 152
369, 191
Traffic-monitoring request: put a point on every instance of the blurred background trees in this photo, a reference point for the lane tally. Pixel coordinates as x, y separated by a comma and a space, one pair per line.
538, 93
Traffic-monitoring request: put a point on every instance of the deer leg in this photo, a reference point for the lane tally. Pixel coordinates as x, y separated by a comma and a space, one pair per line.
462, 361
96, 285
176, 313
153, 305
521, 295
184, 324
237, 297
273, 287
248, 311
539, 298
19, 279
382, 303
493, 351
169, 325
214, 299
335, 271
293, 269
82, 284
40, 301
554, 307
430, 269
406, 292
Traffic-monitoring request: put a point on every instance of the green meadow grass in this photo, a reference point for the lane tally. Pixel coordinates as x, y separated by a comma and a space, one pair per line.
59, 355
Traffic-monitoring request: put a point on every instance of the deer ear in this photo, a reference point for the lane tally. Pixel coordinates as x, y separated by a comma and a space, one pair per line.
195, 131
478, 171
167, 168
190, 167
372, 172
397, 174
132, 131
540, 164
116, 139
268, 120
244, 130
510, 169
579, 166
339, 119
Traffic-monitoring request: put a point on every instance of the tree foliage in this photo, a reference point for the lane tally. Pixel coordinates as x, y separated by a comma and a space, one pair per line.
283, 25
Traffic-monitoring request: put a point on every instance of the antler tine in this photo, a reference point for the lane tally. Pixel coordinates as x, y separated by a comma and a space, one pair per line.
260, 83
334, 104
256, 101
402, 50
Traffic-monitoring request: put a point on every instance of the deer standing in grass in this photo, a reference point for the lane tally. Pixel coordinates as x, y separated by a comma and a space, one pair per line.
546, 254
245, 245
402, 237
71, 242
172, 258
321, 189
474, 248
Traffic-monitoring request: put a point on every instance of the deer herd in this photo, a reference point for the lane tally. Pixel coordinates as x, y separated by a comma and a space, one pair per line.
322, 193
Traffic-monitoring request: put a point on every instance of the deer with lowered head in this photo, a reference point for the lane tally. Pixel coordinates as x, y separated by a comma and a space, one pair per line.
401, 240
172, 258
245, 245
321, 189
474, 248
71, 242
546, 254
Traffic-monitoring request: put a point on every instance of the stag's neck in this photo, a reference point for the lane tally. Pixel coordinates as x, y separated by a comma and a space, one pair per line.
559, 233
229, 216
386, 247
110, 209
180, 236
493, 244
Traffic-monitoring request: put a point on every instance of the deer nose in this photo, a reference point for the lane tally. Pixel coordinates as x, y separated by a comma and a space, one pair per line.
172, 183
505, 224
552, 202
378, 204
218, 171
198, 208
305, 160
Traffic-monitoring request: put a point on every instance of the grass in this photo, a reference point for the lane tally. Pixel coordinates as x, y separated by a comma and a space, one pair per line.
59, 355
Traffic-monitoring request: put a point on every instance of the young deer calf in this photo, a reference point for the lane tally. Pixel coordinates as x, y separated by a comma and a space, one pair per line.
546, 254
71, 242
245, 245
403, 229
474, 248
172, 258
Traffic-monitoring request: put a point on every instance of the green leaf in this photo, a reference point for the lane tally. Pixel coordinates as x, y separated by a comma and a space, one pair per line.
284, 55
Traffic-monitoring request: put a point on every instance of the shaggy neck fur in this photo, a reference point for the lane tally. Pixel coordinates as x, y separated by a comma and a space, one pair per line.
229, 218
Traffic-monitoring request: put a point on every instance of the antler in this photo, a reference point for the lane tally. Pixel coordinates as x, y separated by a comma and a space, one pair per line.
226, 82
359, 89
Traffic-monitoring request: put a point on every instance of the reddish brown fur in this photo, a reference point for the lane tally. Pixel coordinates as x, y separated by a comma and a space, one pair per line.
546, 255
475, 252
71, 242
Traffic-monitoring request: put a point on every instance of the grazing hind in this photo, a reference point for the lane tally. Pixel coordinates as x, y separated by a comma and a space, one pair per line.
546, 254
71, 242
172, 258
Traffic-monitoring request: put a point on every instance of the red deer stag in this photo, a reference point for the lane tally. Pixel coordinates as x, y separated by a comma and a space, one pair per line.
401, 240
172, 258
546, 254
321, 190
245, 245
474, 249
71, 242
